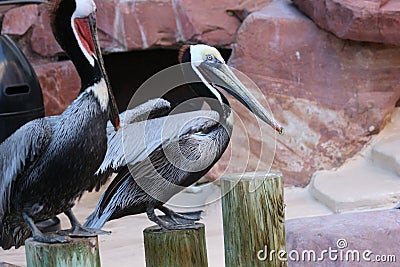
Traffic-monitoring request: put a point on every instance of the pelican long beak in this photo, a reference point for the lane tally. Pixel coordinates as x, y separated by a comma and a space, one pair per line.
113, 114
218, 74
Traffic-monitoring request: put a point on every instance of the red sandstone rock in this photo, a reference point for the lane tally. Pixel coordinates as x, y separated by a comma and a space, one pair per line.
326, 92
147, 24
143, 24
106, 12
350, 235
42, 39
135, 24
360, 20
60, 84
18, 20
211, 22
4, 9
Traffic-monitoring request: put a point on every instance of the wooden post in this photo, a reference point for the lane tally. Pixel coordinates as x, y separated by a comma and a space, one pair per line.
175, 248
80, 252
254, 219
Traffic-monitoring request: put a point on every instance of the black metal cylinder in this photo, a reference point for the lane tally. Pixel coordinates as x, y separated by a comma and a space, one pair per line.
21, 97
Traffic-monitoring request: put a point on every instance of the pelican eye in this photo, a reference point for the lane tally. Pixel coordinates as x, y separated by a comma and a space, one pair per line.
209, 57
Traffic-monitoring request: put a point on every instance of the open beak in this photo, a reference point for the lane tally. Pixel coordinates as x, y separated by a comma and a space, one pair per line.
218, 74
113, 114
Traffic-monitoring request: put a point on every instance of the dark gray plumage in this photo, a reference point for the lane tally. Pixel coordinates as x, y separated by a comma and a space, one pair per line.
30, 142
49, 162
39, 177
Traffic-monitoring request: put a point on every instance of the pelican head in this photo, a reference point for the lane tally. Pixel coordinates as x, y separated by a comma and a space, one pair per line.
74, 27
208, 64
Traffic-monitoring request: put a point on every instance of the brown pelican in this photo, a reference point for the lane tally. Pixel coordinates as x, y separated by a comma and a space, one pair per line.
190, 145
49, 162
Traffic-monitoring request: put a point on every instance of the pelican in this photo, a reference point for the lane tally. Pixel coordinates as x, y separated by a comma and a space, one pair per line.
191, 143
49, 162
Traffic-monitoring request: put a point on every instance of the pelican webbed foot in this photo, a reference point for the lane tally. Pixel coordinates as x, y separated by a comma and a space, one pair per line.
77, 230
51, 239
81, 231
180, 218
173, 220
38, 236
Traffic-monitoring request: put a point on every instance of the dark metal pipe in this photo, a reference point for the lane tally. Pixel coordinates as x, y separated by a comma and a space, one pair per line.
14, 2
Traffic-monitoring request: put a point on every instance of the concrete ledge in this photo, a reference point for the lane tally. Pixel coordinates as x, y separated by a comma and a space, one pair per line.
374, 233
357, 187
385, 154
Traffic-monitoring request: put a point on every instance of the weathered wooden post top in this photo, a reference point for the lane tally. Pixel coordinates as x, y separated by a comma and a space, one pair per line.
253, 219
175, 248
80, 252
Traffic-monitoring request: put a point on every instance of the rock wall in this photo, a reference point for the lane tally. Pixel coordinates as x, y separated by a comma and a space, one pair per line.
361, 20
331, 94
130, 25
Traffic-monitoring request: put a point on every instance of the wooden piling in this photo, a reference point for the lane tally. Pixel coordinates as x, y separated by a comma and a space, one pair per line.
175, 248
254, 219
80, 252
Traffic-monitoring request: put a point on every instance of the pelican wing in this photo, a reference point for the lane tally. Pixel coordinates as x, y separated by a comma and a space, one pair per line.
135, 141
153, 108
167, 170
111, 190
161, 166
21, 149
